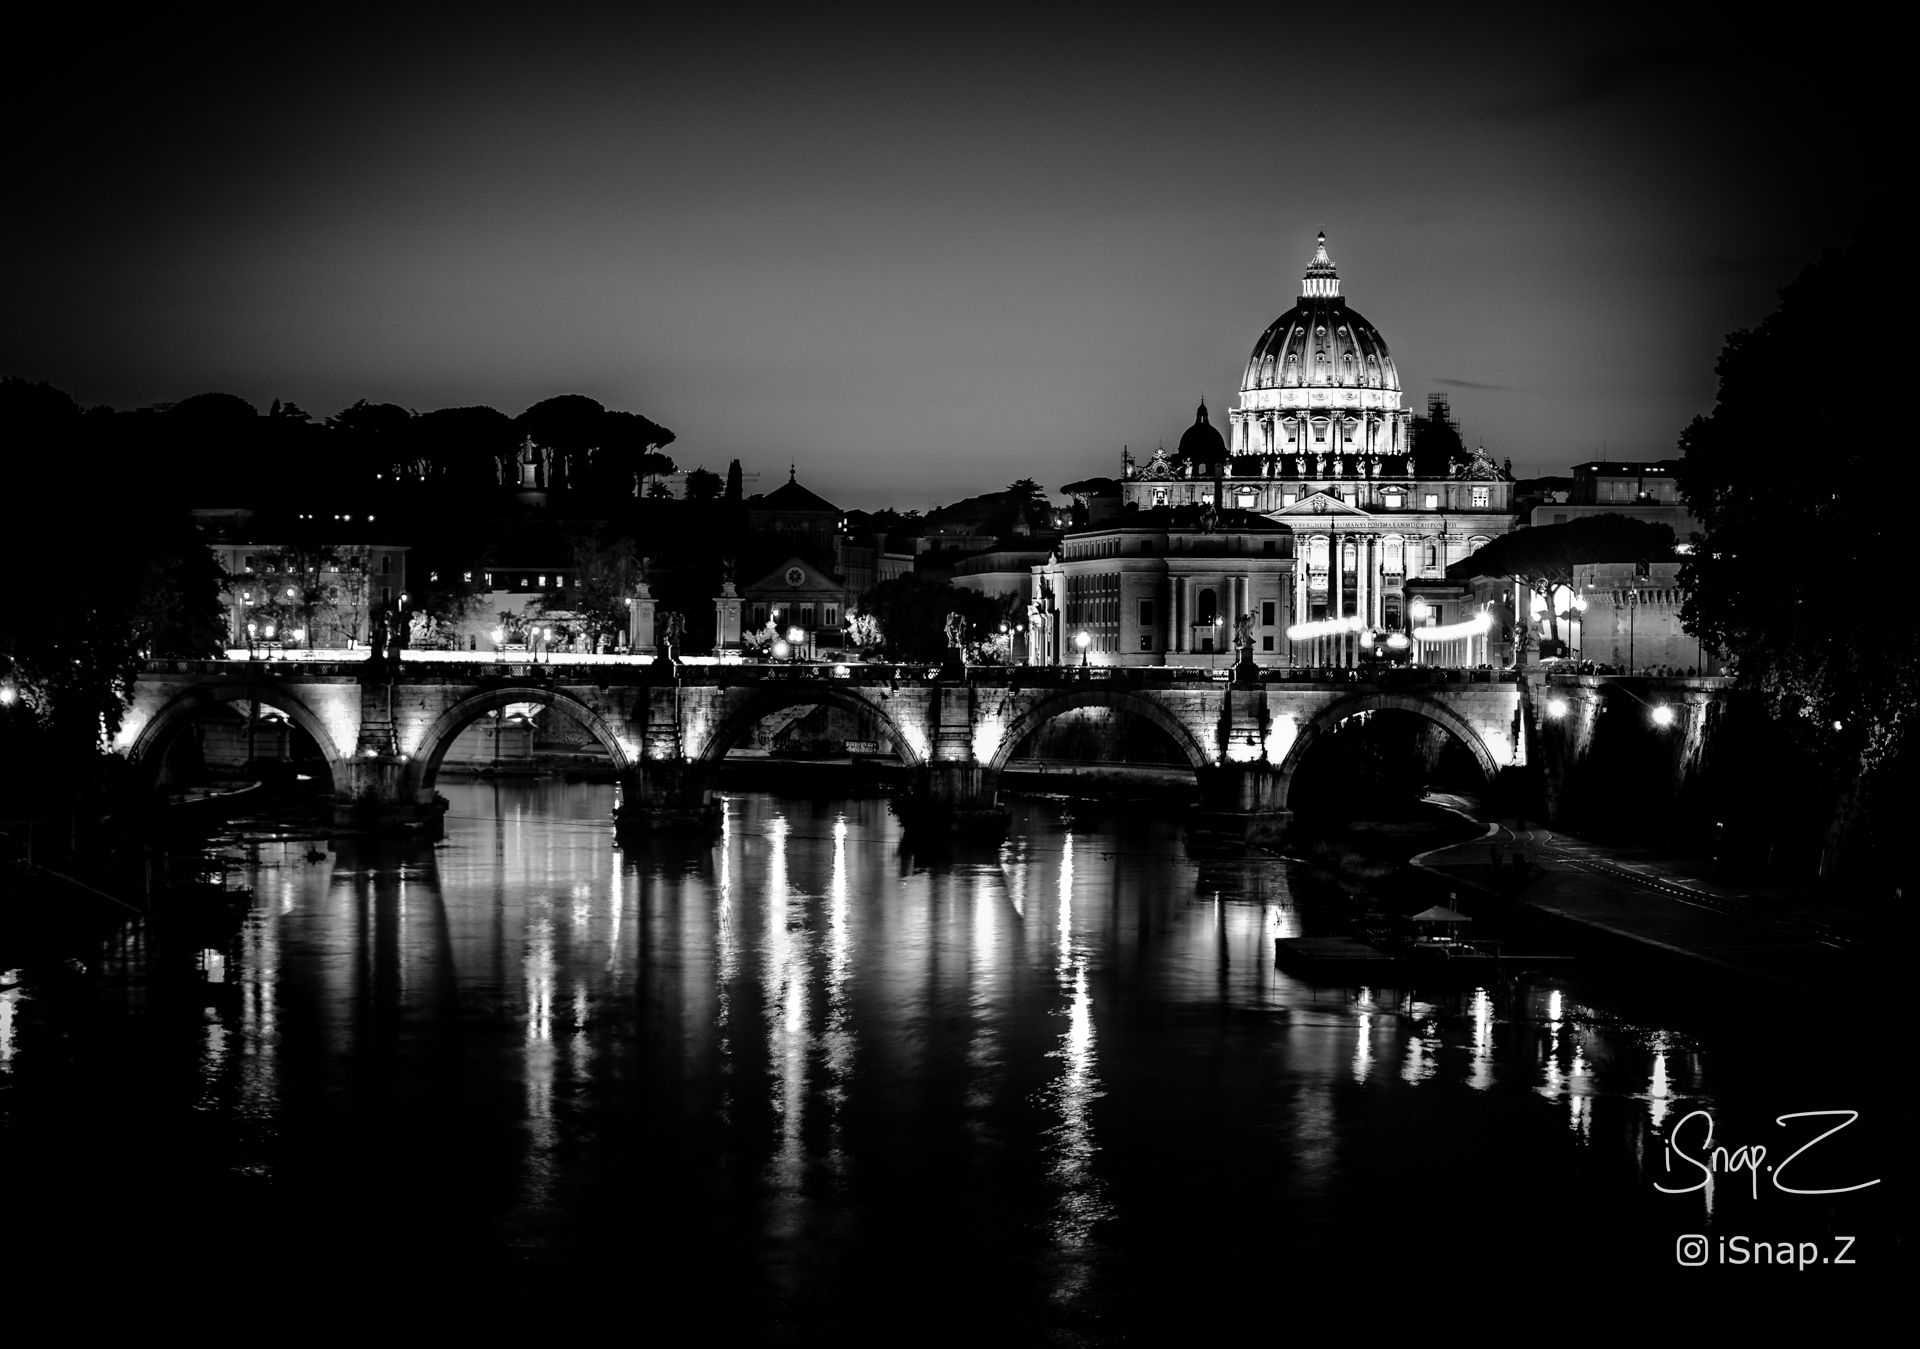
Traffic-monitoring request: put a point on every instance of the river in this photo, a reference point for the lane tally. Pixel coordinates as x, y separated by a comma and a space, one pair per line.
799, 1084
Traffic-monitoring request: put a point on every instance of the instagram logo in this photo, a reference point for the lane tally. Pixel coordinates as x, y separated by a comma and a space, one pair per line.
1691, 1250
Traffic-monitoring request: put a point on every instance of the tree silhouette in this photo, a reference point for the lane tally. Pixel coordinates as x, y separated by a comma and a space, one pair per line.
1543, 558
1783, 521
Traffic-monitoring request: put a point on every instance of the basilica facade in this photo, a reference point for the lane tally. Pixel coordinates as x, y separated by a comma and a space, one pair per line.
1321, 445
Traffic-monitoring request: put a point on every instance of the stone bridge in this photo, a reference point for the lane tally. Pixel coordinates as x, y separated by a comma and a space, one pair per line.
385, 731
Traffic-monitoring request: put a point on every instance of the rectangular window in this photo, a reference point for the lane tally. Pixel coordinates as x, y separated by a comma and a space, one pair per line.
1433, 501
248, 564
1266, 616
386, 564
543, 581
1266, 643
1146, 616
806, 615
489, 580
1289, 498
1482, 497
386, 594
831, 616
467, 576
1351, 498
1146, 641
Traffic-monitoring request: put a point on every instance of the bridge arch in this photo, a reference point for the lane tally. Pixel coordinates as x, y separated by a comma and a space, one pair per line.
149, 748
424, 764
1093, 695
767, 699
1334, 713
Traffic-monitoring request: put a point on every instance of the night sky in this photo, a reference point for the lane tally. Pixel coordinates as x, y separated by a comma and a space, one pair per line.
923, 261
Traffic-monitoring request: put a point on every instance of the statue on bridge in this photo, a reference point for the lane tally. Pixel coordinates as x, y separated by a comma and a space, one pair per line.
676, 634
956, 629
1243, 634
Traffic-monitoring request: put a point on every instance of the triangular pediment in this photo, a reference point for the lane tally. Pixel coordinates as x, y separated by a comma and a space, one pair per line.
1320, 503
795, 575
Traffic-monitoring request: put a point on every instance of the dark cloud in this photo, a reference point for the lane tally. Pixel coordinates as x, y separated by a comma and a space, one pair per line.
1473, 384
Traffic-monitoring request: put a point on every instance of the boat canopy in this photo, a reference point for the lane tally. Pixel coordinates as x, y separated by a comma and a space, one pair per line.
1439, 913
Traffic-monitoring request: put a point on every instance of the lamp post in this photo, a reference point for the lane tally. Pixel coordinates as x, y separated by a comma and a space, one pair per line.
1083, 639
795, 636
252, 632
499, 636
1213, 647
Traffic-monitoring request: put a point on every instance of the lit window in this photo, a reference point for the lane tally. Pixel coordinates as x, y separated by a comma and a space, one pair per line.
1482, 496
1289, 498
1433, 501
543, 581
467, 576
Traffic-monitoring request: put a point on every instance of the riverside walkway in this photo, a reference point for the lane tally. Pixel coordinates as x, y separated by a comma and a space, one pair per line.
1849, 950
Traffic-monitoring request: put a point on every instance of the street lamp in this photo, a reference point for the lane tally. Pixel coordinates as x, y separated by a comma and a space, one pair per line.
1663, 715
795, 637
499, 644
252, 632
1083, 639
1213, 647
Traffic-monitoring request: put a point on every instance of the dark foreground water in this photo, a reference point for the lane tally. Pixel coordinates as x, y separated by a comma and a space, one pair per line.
801, 1086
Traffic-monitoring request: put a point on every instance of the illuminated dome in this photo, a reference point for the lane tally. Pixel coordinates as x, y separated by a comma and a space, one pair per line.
1320, 355
1202, 443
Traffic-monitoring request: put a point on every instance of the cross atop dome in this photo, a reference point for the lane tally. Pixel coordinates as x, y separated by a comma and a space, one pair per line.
1320, 278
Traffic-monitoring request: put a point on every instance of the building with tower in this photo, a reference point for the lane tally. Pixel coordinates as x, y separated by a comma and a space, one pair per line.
1322, 444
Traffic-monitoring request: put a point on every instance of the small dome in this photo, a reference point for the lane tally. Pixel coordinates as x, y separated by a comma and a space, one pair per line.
1320, 343
1202, 444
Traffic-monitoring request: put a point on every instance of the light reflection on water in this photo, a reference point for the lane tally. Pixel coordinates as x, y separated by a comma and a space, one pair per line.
801, 1043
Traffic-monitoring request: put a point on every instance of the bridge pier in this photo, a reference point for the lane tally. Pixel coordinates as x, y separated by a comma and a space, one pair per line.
1251, 794
378, 792
666, 796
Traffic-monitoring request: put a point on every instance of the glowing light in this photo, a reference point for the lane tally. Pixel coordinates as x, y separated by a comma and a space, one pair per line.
1419, 608
1397, 641
1453, 632
796, 636
7, 696
781, 650
1663, 715
1083, 639
1556, 707
1328, 627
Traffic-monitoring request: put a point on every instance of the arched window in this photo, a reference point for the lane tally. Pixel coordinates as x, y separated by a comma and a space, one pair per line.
1206, 608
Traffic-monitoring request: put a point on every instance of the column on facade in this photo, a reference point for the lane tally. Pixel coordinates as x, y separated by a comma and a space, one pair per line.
1178, 637
1362, 593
